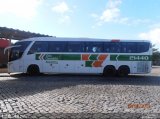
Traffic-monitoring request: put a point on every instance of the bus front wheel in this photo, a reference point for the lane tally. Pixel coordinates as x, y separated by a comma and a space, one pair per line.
33, 70
123, 71
109, 71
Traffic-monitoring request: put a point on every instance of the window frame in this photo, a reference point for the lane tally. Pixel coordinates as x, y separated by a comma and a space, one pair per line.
35, 51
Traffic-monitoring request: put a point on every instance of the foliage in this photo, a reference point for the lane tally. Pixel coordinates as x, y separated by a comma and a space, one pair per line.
155, 56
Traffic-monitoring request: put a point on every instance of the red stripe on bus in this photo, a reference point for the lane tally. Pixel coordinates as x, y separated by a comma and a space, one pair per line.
85, 57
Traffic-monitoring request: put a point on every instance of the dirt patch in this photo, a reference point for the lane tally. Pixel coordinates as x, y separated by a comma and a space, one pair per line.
3, 70
156, 70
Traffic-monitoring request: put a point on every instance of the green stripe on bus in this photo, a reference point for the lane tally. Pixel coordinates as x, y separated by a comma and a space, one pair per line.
113, 57
58, 57
130, 57
93, 57
88, 63
71, 57
52, 57
37, 56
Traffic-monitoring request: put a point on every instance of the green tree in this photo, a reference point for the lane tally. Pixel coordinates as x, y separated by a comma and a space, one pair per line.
155, 56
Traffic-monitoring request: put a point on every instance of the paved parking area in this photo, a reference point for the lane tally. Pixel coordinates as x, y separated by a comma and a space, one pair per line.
80, 96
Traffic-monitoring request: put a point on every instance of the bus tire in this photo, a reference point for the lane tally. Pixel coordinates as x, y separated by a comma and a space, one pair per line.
109, 71
123, 71
33, 70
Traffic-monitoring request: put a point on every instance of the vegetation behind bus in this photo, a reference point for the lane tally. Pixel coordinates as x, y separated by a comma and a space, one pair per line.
156, 56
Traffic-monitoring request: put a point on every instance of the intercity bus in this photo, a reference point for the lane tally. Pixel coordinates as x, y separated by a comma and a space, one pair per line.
80, 55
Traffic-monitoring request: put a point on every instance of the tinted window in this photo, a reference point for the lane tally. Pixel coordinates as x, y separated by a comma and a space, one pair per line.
128, 47
39, 46
131, 47
23, 45
142, 47
17, 52
107, 47
123, 47
94, 47
112, 47
57, 46
75, 47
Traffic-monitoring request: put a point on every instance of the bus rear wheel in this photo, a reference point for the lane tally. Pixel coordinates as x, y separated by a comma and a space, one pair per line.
109, 71
123, 71
33, 70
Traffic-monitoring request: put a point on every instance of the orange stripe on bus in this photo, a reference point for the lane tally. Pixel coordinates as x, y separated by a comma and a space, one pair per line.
102, 57
97, 64
85, 57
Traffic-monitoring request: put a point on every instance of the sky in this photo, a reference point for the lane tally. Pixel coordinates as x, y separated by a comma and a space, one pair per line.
107, 19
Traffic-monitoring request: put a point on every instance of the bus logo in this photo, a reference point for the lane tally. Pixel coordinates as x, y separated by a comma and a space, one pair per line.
139, 58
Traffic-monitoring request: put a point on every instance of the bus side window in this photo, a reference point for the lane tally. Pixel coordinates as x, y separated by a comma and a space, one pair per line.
57, 46
88, 47
38, 46
75, 46
131, 47
107, 47
114, 47
142, 47
94, 47
123, 47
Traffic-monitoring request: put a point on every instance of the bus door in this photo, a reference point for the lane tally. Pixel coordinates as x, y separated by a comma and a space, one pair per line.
15, 62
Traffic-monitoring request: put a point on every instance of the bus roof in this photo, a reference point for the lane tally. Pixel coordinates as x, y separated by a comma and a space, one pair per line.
79, 39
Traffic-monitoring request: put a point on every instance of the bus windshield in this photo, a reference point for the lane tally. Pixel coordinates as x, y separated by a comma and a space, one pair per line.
17, 52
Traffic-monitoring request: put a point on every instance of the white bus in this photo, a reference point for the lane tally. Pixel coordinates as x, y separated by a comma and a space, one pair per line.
80, 55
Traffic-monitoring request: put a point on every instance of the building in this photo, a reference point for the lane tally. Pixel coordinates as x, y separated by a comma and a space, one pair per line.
3, 57
7, 34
